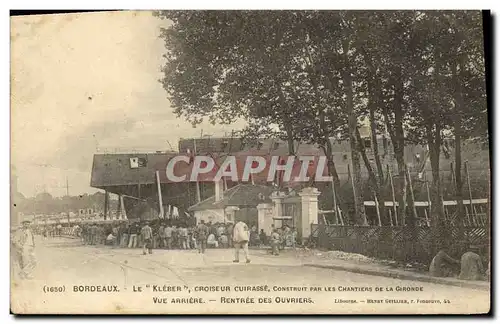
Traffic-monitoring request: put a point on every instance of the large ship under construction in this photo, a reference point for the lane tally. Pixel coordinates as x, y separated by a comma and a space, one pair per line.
139, 178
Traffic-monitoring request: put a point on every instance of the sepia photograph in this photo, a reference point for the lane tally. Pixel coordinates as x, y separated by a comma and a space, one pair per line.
250, 162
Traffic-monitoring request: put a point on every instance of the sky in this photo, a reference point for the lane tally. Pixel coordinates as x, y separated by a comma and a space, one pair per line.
83, 84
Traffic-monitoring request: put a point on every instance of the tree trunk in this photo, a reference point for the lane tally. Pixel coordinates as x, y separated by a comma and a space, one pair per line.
332, 171
458, 155
290, 141
434, 152
434, 140
287, 124
359, 207
373, 179
437, 221
458, 150
399, 144
458, 179
373, 91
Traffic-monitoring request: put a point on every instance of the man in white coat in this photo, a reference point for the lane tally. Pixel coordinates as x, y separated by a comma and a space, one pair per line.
241, 236
25, 242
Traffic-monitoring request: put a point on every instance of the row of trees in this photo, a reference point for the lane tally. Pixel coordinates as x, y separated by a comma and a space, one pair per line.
45, 203
308, 76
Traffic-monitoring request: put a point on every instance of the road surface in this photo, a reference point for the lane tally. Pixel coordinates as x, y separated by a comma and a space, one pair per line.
71, 278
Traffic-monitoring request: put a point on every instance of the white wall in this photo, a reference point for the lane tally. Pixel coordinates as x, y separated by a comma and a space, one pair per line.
265, 214
210, 215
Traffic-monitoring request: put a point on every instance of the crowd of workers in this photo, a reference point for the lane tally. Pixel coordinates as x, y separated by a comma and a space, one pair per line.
169, 234
176, 234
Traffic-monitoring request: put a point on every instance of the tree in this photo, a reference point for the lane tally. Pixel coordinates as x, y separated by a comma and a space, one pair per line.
310, 76
264, 67
449, 49
467, 85
349, 55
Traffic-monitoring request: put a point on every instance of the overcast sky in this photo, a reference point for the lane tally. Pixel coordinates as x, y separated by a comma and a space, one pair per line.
83, 84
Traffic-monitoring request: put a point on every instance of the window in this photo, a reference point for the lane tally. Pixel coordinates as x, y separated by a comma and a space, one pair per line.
446, 152
417, 158
224, 145
137, 162
367, 142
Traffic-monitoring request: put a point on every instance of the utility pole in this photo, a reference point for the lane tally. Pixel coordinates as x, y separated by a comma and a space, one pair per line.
67, 196
171, 148
106, 197
198, 191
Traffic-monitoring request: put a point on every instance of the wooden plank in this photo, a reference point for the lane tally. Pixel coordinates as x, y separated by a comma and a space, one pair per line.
334, 202
393, 200
415, 215
106, 203
468, 184
340, 216
371, 203
377, 208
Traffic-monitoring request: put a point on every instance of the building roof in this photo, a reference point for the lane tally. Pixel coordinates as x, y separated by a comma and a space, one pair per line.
115, 169
242, 195
110, 170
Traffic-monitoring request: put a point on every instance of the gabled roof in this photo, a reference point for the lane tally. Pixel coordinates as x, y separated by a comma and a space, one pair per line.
242, 195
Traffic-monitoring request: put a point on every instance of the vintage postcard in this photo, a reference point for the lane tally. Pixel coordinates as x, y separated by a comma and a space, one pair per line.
250, 162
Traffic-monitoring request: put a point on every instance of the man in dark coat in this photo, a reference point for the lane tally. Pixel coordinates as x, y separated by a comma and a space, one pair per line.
201, 236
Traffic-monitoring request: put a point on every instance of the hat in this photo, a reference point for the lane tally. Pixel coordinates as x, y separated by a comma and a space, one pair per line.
26, 222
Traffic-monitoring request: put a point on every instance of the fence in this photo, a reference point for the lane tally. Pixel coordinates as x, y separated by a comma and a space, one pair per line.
400, 243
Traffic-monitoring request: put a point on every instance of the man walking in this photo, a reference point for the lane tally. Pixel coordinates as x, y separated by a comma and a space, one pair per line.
132, 236
124, 236
147, 239
168, 236
275, 242
229, 231
241, 236
26, 245
161, 234
183, 237
201, 236
93, 234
